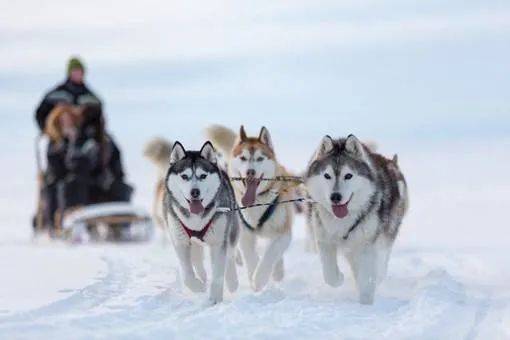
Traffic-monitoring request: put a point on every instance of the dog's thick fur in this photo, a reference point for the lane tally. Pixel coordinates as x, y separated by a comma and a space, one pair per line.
195, 190
361, 199
254, 157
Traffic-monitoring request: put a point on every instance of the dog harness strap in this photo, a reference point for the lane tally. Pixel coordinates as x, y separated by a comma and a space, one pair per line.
359, 219
246, 224
268, 213
265, 216
197, 233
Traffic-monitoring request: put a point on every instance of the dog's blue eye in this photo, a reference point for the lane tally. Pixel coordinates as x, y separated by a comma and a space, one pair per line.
185, 177
348, 176
243, 158
327, 176
203, 176
260, 159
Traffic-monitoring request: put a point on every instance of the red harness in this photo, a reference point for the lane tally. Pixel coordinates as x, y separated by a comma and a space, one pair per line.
197, 233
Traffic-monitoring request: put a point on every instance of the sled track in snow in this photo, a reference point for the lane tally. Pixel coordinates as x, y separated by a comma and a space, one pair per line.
100, 304
91, 296
140, 296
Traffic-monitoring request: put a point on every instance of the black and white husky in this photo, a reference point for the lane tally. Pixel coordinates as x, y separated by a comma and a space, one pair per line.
361, 198
198, 207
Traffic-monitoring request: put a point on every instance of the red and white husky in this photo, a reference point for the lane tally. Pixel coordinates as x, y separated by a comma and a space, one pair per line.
253, 158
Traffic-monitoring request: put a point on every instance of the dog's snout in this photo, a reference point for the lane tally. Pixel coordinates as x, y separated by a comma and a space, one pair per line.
250, 173
195, 193
336, 198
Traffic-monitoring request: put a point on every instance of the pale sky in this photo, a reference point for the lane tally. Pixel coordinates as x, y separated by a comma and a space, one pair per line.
408, 69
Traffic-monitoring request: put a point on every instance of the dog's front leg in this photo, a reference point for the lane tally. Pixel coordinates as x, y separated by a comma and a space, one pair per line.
183, 251
332, 275
247, 243
218, 260
364, 265
197, 259
231, 271
272, 255
310, 241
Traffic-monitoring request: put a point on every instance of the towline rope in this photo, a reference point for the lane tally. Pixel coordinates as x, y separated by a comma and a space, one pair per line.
295, 179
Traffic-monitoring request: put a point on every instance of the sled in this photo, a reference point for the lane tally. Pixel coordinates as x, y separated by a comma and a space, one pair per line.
114, 221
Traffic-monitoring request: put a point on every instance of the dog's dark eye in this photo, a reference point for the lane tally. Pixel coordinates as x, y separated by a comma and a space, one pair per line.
185, 177
260, 159
327, 176
348, 176
203, 176
243, 158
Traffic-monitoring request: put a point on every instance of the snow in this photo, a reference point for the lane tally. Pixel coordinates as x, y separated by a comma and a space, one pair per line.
135, 292
32, 276
426, 80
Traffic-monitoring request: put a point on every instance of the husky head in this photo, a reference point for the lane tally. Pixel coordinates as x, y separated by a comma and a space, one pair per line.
253, 158
193, 178
340, 176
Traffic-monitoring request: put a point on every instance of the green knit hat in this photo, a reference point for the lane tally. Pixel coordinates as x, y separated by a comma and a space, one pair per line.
73, 63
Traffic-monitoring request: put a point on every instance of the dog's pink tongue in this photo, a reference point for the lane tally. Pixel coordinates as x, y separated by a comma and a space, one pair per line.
340, 210
251, 192
196, 207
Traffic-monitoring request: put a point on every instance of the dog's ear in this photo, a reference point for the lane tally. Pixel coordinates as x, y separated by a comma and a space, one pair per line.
242, 134
208, 152
177, 153
355, 147
265, 137
325, 146
395, 159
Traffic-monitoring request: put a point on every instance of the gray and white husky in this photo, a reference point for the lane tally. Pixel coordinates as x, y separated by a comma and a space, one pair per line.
361, 198
197, 193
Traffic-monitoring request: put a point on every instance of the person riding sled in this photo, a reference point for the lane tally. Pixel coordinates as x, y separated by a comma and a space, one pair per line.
83, 163
72, 91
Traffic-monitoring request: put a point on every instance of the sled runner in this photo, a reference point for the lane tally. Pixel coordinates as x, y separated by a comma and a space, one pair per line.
115, 221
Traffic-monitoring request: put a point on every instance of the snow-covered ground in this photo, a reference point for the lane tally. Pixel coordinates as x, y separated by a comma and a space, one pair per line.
135, 292
426, 80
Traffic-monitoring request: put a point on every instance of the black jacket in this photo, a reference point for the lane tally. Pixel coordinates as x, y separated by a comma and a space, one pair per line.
69, 93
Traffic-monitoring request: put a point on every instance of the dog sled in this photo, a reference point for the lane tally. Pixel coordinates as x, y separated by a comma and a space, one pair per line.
114, 221
100, 222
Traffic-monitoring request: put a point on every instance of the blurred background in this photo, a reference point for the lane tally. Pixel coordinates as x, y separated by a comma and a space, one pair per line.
427, 80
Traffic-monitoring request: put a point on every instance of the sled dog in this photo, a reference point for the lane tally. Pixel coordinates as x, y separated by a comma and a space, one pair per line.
253, 158
199, 210
361, 199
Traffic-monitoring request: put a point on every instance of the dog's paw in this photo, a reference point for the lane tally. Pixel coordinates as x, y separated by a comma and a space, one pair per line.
214, 299
334, 278
194, 284
260, 278
366, 299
